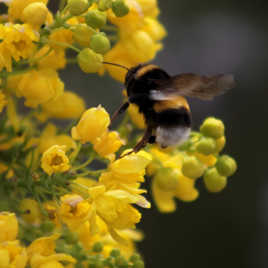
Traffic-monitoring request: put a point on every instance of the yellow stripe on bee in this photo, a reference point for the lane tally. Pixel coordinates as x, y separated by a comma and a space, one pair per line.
145, 69
174, 103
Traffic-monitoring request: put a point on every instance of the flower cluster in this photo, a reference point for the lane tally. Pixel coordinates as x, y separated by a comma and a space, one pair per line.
71, 197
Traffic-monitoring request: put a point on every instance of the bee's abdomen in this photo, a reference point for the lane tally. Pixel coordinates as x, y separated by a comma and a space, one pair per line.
174, 117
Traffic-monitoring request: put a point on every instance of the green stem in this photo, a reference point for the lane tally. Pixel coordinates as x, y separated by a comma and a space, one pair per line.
85, 163
76, 152
62, 44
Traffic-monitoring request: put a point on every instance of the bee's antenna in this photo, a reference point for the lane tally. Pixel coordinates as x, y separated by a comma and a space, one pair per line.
115, 64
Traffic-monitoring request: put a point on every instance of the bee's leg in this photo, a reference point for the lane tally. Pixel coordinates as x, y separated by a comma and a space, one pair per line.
142, 143
119, 111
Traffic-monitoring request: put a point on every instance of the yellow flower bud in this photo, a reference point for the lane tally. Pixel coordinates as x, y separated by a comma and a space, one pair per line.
120, 8
89, 61
212, 127
214, 181
100, 43
226, 165
206, 146
77, 7
35, 14
8, 226
95, 18
220, 143
167, 179
82, 34
55, 160
92, 125
192, 167
30, 211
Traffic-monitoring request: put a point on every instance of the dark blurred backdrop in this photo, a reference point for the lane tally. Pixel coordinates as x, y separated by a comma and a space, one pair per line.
229, 229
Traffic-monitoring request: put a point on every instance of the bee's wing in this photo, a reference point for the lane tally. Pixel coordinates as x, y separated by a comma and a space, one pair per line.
193, 85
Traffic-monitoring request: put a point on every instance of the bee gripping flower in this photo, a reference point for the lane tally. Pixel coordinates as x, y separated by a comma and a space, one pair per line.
55, 160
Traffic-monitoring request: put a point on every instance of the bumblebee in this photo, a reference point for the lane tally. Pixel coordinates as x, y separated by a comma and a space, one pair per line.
161, 99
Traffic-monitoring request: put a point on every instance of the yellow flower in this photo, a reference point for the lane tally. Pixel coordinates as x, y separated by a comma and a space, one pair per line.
155, 29
184, 190
67, 106
31, 212
114, 207
41, 253
49, 138
55, 59
119, 55
16, 8
12, 255
92, 125
140, 46
177, 185
39, 87
136, 117
3, 101
132, 21
60, 35
8, 226
149, 7
131, 168
17, 43
55, 160
74, 210
108, 144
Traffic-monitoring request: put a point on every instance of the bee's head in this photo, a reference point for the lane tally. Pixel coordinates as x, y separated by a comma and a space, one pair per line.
131, 74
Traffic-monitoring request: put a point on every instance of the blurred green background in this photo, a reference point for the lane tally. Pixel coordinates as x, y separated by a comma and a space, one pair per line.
228, 229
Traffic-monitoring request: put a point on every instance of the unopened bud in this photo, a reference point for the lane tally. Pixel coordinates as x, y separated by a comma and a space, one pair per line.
220, 143
82, 34
120, 8
35, 14
104, 4
95, 18
206, 146
212, 127
214, 181
89, 61
166, 179
100, 43
192, 167
77, 7
226, 165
